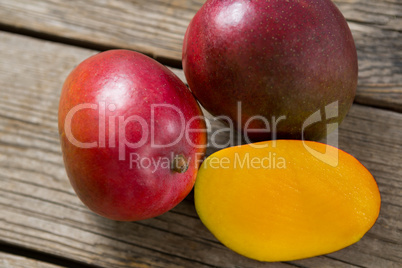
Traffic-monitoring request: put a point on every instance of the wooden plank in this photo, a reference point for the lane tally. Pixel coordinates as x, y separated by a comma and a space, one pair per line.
14, 261
153, 27
39, 209
157, 28
376, 27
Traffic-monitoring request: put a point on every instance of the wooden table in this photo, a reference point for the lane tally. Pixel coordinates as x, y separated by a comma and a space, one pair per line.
44, 224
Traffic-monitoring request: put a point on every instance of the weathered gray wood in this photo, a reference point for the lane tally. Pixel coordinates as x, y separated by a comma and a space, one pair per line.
377, 30
14, 261
38, 207
154, 27
39, 210
157, 27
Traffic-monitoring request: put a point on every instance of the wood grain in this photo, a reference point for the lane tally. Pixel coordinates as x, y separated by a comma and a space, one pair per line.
39, 209
14, 261
153, 27
157, 27
377, 29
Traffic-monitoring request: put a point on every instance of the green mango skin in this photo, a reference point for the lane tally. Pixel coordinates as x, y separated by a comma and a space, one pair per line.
278, 58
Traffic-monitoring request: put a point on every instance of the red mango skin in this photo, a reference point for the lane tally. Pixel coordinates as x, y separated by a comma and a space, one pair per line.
278, 58
121, 84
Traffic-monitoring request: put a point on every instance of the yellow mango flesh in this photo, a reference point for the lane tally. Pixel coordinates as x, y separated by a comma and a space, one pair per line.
287, 200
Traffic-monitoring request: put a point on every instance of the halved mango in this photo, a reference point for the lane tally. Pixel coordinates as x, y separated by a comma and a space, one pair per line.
286, 199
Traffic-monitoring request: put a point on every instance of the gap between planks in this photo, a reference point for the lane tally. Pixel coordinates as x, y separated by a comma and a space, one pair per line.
12, 256
156, 28
55, 222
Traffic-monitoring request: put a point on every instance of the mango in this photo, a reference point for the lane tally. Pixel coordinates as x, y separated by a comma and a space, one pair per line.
285, 200
131, 134
273, 64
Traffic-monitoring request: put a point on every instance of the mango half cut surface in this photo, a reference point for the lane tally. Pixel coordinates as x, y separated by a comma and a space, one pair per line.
286, 199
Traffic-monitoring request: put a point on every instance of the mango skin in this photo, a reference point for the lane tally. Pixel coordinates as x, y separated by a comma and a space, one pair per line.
278, 58
290, 211
127, 84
